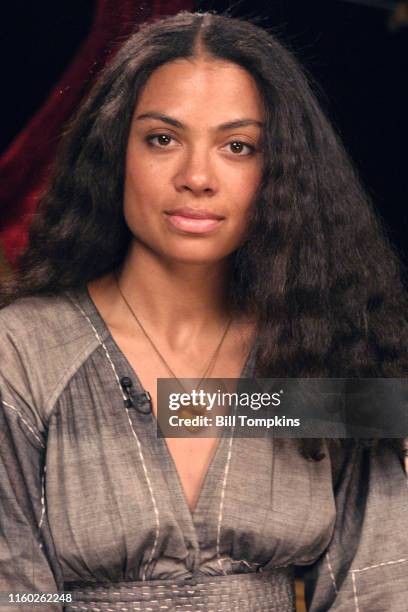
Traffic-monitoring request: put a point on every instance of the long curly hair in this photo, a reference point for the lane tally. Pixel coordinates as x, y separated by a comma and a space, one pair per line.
317, 269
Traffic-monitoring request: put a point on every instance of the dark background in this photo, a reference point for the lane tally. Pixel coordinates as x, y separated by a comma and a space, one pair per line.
359, 66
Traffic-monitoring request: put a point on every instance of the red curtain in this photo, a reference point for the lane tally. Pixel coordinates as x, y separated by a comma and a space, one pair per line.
24, 165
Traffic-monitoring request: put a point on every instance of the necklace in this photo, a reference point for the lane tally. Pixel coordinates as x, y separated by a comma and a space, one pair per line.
190, 410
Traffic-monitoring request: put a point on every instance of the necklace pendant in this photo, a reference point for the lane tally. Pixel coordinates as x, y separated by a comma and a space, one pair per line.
196, 414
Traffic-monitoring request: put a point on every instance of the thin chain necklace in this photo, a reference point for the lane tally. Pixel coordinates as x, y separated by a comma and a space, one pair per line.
191, 410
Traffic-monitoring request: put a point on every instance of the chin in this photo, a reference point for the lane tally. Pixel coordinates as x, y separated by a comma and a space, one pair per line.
193, 252
195, 257
197, 261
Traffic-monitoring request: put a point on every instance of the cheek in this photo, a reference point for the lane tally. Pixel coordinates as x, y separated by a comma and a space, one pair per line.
140, 175
143, 188
242, 189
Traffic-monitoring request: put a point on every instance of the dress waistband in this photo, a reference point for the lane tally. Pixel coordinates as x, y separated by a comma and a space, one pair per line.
269, 591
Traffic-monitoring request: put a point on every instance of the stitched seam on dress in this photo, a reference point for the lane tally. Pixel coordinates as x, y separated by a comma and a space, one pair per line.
36, 436
155, 509
363, 569
68, 375
74, 369
149, 484
43, 475
353, 579
221, 510
53, 395
42, 501
102, 343
331, 574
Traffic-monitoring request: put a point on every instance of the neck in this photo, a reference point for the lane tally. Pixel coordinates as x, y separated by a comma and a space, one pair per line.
181, 302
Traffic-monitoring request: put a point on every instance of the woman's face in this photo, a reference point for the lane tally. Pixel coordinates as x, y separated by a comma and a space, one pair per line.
193, 160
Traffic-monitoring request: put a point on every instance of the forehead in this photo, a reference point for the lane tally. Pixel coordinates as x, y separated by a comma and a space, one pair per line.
202, 86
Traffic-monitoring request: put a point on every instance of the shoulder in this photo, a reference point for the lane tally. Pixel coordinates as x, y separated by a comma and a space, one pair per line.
33, 313
43, 341
43, 323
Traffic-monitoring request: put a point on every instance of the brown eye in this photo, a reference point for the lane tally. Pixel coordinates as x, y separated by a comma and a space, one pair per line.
237, 147
163, 139
159, 140
241, 148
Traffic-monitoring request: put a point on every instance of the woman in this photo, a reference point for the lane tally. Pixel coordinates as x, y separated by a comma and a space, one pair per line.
203, 220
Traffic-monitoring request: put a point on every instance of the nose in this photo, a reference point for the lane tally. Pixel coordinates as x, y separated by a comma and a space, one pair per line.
196, 173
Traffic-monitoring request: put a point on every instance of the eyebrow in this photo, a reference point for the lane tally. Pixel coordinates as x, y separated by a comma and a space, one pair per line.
176, 123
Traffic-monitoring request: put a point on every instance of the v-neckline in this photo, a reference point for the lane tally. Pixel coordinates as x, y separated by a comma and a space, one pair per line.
218, 451
204, 485
202, 499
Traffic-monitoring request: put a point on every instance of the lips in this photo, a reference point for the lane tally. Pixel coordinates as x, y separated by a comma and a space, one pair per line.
194, 213
193, 221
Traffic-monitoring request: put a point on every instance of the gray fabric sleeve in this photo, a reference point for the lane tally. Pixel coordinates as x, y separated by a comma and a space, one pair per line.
27, 558
365, 567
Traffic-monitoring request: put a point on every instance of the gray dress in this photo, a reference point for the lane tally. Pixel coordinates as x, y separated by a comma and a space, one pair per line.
91, 503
